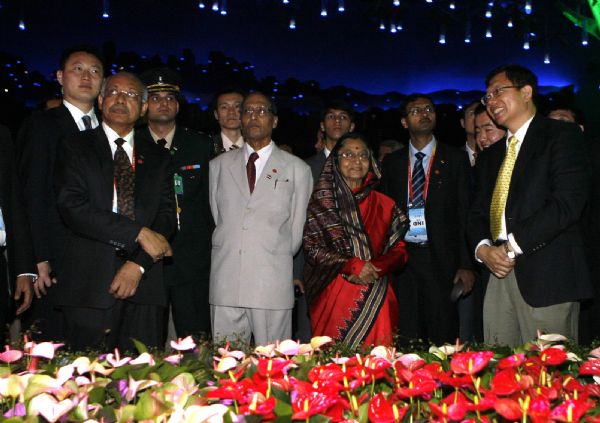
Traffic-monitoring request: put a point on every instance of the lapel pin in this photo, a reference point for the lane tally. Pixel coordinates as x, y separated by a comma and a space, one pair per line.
274, 170
268, 176
437, 172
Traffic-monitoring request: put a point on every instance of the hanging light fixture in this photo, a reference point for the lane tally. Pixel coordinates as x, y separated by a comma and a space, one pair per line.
526, 41
292, 24
22, 26
201, 5
215, 6
223, 7
468, 33
105, 12
324, 8
528, 8
547, 58
396, 3
341, 6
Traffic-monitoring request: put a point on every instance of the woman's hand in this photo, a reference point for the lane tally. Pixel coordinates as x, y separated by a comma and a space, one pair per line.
369, 273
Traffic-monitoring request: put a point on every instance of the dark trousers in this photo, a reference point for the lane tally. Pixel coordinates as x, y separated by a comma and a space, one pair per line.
106, 329
425, 309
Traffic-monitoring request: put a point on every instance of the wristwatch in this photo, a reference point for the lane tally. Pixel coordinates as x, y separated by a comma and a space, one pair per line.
510, 253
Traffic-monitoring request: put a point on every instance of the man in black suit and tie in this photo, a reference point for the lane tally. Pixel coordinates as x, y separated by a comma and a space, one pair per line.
15, 241
532, 189
428, 181
187, 272
115, 194
80, 74
226, 109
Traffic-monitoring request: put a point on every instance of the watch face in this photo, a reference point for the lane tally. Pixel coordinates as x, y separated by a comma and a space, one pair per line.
511, 254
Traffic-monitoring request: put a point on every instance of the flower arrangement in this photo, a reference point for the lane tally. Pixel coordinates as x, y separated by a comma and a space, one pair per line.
539, 382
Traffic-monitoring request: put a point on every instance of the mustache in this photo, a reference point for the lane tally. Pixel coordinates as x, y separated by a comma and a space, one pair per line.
118, 108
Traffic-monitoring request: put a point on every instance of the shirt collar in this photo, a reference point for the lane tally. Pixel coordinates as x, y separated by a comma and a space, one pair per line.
521, 132
265, 151
326, 151
112, 135
428, 149
77, 113
227, 143
168, 138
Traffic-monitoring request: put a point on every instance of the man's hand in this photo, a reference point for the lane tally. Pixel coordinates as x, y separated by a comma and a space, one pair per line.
44, 280
467, 277
154, 244
496, 260
126, 281
23, 289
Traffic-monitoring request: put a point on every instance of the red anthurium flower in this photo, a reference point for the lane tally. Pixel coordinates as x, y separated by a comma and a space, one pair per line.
539, 409
382, 410
273, 367
511, 361
590, 368
485, 403
434, 369
593, 390
553, 356
508, 408
328, 372
444, 411
450, 379
570, 410
470, 362
420, 384
508, 381
260, 405
311, 404
232, 390
533, 366
377, 367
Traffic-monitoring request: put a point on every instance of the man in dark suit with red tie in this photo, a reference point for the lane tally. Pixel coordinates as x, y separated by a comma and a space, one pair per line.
80, 75
115, 194
525, 220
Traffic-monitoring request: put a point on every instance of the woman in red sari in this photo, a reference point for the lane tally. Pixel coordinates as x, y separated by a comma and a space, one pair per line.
353, 241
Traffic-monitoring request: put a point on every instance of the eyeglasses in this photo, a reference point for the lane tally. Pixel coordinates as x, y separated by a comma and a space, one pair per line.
256, 111
414, 111
363, 156
114, 93
341, 117
496, 93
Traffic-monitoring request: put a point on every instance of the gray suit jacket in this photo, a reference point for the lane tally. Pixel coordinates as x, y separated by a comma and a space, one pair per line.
256, 235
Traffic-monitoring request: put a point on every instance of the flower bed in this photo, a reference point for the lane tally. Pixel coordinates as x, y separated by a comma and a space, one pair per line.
540, 382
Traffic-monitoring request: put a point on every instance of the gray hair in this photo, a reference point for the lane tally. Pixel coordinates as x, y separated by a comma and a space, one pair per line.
134, 77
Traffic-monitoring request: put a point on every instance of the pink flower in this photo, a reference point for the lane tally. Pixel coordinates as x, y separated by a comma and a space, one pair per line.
116, 360
49, 407
10, 356
144, 358
43, 349
184, 344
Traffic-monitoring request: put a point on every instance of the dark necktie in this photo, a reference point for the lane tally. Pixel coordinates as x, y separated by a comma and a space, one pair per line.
233, 147
162, 142
87, 122
124, 181
251, 171
418, 181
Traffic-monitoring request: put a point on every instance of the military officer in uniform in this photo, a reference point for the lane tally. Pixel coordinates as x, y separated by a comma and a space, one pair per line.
187, 274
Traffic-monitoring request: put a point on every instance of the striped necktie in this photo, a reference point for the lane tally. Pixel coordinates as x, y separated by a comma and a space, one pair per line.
501, 189
418, 181
87, 122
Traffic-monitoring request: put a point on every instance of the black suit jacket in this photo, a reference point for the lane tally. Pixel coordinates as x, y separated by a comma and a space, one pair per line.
84, 183
38, 142
190, 153
446, 204
548, 191
316, 163
18, 239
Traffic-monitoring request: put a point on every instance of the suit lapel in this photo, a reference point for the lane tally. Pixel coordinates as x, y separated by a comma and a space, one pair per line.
65, 120
105, 159
237, 169
527, 151
273, 170
438, 173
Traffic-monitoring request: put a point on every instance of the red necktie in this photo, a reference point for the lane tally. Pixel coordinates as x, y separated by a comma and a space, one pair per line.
251, 171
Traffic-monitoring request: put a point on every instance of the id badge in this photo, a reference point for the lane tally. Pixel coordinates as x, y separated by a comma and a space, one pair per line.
178, 184
417, 231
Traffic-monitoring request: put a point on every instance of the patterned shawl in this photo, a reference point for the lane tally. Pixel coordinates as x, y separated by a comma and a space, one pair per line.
334, 233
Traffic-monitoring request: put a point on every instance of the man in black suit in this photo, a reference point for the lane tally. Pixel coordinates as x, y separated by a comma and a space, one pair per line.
115, 194
80, 74
226, 109
428, 181
15, 241
187, 272
532, 188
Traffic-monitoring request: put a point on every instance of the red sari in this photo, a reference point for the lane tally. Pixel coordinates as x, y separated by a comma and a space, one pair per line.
334, 309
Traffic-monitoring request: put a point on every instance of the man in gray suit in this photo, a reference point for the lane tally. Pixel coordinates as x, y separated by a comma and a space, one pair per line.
258, 199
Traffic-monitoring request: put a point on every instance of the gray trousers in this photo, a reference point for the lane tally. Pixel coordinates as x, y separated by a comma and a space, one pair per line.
509, 320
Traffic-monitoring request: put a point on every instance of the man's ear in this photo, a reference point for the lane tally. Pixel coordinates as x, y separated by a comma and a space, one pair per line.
403, 122
275, 120
59, 76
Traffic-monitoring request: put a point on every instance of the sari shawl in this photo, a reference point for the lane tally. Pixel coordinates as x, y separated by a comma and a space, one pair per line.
334, 233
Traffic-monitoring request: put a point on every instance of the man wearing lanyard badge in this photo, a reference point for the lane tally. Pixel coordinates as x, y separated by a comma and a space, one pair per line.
428, 181
187, 273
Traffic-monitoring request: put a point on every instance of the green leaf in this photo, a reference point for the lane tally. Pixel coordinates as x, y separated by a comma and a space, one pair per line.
363, 413
139, 346
38, 384
283, 408
148, 407
319, 418
97, 396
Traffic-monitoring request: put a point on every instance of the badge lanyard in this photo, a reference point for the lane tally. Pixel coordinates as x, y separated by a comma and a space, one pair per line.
426, 187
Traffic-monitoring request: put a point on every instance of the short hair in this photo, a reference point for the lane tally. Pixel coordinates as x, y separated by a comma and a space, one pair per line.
412, 97
518, 75
337, 105
577, 113
227, 90
271, 103
394, 145
480, 109
133, 76
80, 48
471, 104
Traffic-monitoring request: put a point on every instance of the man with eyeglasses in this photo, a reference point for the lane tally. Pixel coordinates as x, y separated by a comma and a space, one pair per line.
258, 197
524, 222
80, 76
428, 181
115, 195
337, 119
187, 273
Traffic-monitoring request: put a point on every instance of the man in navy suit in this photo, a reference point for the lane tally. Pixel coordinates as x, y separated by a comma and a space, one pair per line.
524, 223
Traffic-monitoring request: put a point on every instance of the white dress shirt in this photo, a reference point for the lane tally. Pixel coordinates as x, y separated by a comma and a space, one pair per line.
263, 155
78, 114
227, 143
